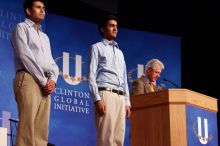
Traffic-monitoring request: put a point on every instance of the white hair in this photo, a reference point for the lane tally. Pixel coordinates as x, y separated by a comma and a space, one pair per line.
153, 63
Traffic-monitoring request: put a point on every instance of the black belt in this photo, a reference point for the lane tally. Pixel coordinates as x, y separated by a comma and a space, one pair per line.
19, 70
47, 74
112, 90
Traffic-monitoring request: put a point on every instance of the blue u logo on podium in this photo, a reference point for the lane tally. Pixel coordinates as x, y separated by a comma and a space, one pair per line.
202, 127
202, 130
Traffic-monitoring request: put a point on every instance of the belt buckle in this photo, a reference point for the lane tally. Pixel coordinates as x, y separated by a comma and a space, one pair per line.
47, 74
118, 91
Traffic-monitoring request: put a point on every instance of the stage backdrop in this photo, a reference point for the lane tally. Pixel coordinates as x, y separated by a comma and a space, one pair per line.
72, 121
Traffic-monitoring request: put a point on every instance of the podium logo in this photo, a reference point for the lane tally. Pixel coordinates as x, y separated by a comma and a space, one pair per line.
200, 131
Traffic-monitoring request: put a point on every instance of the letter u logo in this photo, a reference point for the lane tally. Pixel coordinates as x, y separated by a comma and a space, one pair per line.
78, 69
203, 140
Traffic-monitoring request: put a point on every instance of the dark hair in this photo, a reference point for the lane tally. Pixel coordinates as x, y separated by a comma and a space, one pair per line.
29, 3
103, 22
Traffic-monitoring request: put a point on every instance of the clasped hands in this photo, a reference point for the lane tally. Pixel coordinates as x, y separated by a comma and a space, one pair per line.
49, 87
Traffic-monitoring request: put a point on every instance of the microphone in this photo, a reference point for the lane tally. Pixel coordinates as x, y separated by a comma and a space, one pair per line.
161, 87
175, 85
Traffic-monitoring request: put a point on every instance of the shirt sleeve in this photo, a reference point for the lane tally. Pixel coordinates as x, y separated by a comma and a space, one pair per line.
23, 53
126, 89
92, 73
54, 70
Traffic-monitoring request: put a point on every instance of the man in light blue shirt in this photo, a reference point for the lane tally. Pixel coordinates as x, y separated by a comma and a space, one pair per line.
36, 76
107, 80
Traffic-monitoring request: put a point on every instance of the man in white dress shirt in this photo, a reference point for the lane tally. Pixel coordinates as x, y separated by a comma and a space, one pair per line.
108, 85
36, 76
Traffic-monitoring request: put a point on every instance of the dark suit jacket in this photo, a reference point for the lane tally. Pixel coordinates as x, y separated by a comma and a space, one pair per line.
140, 86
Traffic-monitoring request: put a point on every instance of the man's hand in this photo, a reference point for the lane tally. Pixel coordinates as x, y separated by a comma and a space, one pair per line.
100, 107
49, 87
128, 111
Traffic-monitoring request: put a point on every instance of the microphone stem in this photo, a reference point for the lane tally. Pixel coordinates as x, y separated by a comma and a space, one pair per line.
175, 85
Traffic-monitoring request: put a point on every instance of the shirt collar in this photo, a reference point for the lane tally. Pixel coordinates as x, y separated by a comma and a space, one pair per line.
146, 79
30, 23
112, 43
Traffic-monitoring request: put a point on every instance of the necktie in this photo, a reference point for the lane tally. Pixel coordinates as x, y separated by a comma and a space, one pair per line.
151, 87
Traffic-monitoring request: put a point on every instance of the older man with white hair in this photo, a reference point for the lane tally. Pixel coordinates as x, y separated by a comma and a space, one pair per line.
147, 82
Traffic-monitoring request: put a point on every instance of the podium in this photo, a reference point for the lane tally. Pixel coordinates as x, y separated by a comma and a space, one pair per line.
173, 117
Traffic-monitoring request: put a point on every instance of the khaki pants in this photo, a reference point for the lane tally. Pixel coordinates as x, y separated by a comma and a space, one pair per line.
33, 111
111, 126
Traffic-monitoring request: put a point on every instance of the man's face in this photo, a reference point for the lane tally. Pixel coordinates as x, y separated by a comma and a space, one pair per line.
37, 13
111, 30
153, 74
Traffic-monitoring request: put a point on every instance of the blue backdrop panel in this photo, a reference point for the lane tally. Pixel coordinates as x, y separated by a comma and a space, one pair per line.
73, 126
139, 47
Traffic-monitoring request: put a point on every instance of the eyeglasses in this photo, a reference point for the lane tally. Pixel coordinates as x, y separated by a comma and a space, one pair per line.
156, 72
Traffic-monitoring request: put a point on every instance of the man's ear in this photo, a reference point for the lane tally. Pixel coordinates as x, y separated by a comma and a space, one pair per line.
148, 70
28, 11
102, 30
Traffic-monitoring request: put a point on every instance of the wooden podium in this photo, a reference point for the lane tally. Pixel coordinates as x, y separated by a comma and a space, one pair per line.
162, 118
